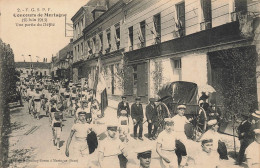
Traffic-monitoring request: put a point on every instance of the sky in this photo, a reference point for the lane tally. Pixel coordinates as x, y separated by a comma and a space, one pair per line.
30, 39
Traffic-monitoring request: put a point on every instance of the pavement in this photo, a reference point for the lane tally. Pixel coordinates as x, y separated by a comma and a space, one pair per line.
30, 143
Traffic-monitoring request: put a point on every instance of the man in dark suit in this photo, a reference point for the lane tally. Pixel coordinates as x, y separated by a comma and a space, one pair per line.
246, 137
123, 105
152, 119
137, 116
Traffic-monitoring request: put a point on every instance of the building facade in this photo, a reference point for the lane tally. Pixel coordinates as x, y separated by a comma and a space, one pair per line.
154, 42
64, 62
33, 69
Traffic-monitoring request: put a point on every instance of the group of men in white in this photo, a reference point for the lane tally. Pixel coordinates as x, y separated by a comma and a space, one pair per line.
79, 102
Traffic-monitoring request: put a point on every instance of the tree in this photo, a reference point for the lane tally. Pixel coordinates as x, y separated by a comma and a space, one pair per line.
238, 83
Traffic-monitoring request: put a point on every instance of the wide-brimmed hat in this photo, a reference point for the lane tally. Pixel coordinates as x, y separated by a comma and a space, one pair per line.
152, 100
168, 120
123, 97
256, 114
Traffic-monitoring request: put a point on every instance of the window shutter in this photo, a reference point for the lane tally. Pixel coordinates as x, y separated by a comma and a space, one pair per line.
142, 81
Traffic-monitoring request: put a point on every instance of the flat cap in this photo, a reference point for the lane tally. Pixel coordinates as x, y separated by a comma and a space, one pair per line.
145, 152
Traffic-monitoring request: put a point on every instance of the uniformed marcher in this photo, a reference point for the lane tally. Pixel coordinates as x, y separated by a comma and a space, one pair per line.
166, 146
123, 105
138, 117
144, 156
110, 148
152, 119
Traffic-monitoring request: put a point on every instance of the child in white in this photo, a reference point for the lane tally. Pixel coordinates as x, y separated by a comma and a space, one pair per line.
123, 126
166, 146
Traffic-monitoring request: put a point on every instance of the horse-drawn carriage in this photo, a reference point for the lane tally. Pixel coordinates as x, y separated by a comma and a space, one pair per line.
187, 93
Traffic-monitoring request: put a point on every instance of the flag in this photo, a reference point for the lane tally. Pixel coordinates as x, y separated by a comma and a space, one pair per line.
100, 87
140, 34
116, 39
153, 31
93, 46
99, 44
106, 44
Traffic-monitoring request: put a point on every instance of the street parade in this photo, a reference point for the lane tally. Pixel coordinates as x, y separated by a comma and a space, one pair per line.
174, 146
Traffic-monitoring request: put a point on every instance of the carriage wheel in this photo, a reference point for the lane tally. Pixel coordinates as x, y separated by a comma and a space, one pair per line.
201, 124
163, 112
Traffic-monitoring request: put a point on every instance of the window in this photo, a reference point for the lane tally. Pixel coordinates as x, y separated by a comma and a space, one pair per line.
177, 64
240, 6
94, 45
82, 48
45, 73
78, 29
89, 47
157, 28
117, 35
27, 72
180, 9
108, 41
131, 38
142, 40
206, 15
135, 79
177, 69
101, 42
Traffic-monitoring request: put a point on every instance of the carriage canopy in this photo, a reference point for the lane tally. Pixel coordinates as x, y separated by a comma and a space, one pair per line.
181, 92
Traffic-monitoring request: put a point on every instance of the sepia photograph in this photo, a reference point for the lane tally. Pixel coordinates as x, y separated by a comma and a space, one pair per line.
129, 83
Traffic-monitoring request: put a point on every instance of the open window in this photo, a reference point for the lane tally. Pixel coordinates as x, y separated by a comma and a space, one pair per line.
206, 15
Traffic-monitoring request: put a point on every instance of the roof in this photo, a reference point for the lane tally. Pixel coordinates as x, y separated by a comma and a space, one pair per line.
40, 65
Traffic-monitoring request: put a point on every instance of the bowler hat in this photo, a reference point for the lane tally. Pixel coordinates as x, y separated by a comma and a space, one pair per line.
123, 97
138, 98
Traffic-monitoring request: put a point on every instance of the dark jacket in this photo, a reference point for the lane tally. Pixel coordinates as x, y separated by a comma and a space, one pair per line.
121, 107
151, 112
137, 112
246, 128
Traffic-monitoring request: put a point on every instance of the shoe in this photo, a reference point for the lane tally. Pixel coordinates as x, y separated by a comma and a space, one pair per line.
150, 138
58, 148
135, 137
140, 138
154, 138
